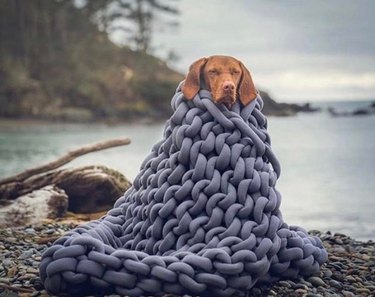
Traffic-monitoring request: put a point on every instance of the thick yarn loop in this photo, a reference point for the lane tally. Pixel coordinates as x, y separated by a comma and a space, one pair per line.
201, 218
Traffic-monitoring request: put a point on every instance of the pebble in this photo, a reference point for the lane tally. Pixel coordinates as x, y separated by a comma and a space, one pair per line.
301, 286
347, 294
335, 284
300, 292
26, 254
4, 280
32, 270
12, 271
349, 272
351, 279
30, 230
50, 231
338, 276
285, 284
316, 281
7, 262
363, 291
327, 273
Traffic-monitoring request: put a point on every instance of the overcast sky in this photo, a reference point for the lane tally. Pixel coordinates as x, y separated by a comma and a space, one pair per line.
296, 50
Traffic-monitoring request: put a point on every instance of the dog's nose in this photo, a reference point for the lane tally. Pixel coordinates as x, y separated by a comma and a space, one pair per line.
228, 86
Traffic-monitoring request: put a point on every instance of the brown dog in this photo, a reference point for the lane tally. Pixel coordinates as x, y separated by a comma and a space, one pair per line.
225, 77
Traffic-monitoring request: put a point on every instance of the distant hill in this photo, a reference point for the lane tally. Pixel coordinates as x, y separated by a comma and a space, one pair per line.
112, 82
56, 64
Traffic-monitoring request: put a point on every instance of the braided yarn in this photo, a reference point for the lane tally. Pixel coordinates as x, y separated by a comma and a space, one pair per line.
201, 218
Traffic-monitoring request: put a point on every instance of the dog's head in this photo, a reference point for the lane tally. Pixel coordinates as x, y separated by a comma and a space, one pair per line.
225, 77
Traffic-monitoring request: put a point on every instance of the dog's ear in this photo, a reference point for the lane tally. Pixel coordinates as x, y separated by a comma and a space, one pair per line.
192, 82
246, 88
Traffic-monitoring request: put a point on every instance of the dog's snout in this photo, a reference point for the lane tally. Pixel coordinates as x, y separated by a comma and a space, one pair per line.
228, 86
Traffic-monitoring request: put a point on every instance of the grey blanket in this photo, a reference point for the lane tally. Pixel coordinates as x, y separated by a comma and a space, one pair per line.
201, 218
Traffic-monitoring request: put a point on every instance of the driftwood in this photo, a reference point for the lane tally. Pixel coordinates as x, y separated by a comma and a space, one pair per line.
47, 202
85, 189
65, 159
89, 188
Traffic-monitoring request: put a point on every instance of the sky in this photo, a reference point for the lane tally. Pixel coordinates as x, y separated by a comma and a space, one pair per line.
296, 50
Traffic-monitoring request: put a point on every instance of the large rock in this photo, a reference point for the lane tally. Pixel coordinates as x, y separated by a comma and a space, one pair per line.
49, 202
271, 107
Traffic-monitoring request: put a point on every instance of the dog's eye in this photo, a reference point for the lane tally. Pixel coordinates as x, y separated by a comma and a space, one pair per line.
235, 71
212, 71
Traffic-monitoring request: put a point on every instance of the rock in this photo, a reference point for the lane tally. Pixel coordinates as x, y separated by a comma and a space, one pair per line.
327, 273
47, 202
271, 107
26, 254
347, 294
12, 271
285, 284
4, 280
362, 291
335, 284
301, 286
339, 250
369, 110
32, 270
8, 294
316, 281
300, 292
7, 262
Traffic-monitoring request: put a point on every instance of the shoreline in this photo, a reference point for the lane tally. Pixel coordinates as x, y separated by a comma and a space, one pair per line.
9, 123
349, 271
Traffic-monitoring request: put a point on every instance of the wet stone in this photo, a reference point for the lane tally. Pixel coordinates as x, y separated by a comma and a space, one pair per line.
316, 281
4, 280
9, 294
272, 293
338, 276
32, 270
327, 273
26, 254
350, 279
300, 292
285, 284
335, 284
30, 230
362, 291
7, 262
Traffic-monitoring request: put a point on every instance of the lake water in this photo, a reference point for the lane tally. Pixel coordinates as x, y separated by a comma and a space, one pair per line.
328, 164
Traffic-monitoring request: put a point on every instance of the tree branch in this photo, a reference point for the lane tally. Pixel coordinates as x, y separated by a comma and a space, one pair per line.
65, 159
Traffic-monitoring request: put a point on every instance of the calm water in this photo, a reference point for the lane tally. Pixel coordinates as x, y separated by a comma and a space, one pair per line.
328, 164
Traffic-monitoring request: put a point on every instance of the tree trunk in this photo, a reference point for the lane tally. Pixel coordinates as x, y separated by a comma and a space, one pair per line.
90, 188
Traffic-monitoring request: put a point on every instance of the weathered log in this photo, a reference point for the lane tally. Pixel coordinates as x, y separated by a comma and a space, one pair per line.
45, 203
22, 183
90, 188
64, 159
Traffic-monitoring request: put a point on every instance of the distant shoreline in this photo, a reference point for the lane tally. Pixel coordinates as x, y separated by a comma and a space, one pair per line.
9, 123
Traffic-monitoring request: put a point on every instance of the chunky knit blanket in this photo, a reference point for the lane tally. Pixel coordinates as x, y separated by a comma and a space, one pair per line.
201, 218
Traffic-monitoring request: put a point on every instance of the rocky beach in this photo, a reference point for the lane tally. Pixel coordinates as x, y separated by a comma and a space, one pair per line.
350, 270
